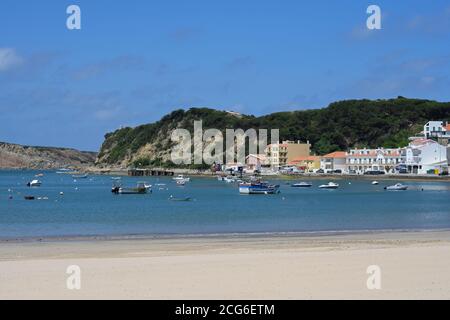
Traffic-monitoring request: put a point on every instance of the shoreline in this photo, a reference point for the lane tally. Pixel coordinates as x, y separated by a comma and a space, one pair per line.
320, 234
124, 173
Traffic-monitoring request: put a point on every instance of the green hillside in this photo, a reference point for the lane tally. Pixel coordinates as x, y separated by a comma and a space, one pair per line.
340, 126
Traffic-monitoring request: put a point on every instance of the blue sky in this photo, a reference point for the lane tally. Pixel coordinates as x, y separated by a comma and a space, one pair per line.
134, 61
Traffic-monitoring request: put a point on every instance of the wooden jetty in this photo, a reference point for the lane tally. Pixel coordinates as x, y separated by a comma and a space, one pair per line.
149, 172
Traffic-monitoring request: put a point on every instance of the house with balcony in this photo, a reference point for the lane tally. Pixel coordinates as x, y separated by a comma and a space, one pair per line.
281, 154
437, 129
425, 156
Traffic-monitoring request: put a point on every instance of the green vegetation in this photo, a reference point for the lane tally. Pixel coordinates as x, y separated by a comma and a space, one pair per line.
340, 126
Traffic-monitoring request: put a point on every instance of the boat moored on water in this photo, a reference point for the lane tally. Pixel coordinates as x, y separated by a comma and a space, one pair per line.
375, 183
396, 187
258, 188
181, 178
139, 189
302, 185
80, 176
329, 185
34, 183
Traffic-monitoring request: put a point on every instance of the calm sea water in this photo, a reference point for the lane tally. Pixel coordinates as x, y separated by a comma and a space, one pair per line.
88, 208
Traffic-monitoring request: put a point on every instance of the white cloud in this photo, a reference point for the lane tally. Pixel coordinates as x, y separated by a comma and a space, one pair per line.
9, 59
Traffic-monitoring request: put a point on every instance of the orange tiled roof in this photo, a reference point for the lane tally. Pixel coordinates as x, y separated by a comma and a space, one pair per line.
336, 154
447, 127
306, 158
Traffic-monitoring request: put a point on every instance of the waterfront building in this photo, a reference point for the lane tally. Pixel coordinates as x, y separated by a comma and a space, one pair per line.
306, 163
280, 154
425, 156
256, 162
334, 161
363, 160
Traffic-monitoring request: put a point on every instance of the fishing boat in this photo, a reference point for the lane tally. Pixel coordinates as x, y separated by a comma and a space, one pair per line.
397, 187
80, 176
375, 183
181, 178
139, 189
302, 185
34, 183
258, 188
329, 185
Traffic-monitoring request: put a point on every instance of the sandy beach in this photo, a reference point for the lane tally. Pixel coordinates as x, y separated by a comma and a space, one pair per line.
413, 265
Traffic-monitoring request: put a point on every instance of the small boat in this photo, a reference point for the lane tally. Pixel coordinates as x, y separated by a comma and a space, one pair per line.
181, 182
397, 187
182, 178
80, 176
258, 188
34, 183
329, 185
147, 186
139, 189
375, 183
183, 199
29, 198
301, 185
116, 178
39, 175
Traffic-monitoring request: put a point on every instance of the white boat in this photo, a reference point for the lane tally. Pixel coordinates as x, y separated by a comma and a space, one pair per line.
181, 178
330, 185
301, 185
34, 183
258, 188
397, 187
375, 183
181, 182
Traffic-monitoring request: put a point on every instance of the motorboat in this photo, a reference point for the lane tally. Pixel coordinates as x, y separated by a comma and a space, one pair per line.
182, 178
397, 187
302, 185
258, 188
139, 189
329, 185
34, 183
375, 183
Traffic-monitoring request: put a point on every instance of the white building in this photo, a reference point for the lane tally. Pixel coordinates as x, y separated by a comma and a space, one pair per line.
436, 129
363, 160
334, 161
424, 156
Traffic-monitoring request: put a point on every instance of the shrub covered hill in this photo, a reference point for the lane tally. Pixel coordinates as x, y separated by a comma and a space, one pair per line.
340, 126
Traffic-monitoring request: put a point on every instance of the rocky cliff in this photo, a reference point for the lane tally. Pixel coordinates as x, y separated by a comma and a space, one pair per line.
20, 157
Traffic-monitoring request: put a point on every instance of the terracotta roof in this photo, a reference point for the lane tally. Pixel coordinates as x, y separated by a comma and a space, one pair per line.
447, 127
306, 158
336, 154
